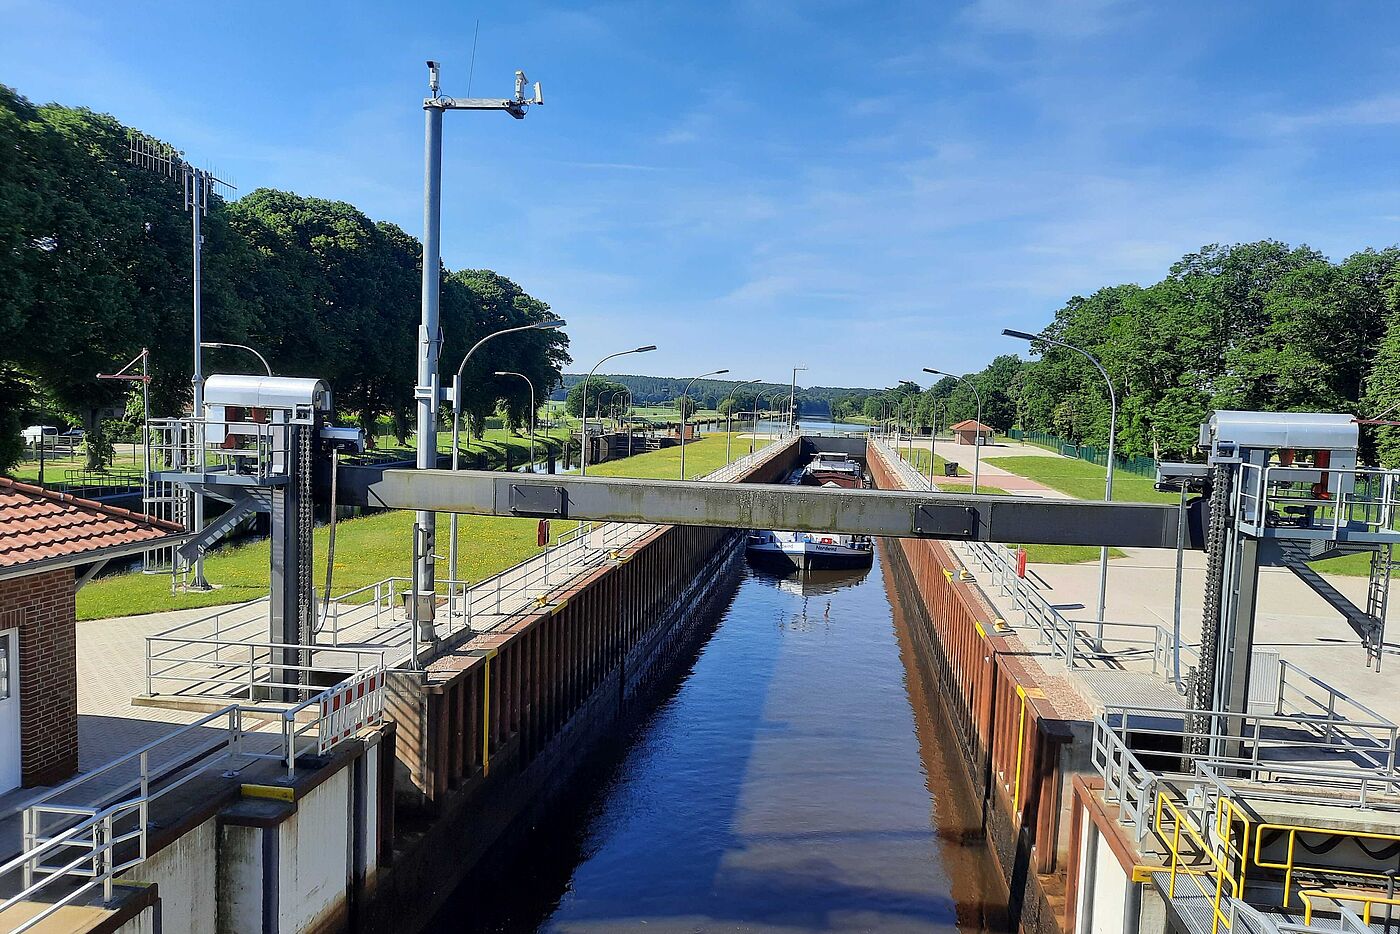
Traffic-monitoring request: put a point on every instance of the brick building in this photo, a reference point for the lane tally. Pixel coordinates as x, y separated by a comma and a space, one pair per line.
50, 545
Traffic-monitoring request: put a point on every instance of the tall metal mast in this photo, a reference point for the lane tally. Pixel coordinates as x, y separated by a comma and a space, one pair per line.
428, 392
198, 183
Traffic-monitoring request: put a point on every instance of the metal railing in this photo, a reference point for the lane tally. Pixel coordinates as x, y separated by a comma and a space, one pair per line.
1267, 743
1288, 497
245, 667
55, 885
113, 810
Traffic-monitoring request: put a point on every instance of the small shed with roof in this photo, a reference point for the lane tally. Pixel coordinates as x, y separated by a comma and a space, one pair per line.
971, 431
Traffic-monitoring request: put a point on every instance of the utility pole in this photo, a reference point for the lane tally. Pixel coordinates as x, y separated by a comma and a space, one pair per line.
198, 183
428, 391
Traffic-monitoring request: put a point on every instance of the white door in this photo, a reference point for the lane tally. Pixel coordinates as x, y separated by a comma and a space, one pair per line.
9, 710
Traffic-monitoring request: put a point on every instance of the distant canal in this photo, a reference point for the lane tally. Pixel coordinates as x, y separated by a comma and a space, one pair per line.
786, 784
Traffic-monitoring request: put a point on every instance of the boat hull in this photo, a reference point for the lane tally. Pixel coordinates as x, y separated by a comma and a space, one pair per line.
810, 556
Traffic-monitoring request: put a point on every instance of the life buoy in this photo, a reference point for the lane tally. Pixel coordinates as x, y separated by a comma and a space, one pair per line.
828, 541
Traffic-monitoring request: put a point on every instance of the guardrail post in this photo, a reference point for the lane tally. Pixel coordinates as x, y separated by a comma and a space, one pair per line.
252, 661
104, 835
150, 691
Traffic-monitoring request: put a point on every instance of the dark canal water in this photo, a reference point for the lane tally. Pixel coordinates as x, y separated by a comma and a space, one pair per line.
791, 782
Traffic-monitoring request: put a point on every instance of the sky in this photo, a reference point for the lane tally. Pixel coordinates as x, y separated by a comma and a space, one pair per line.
865, 189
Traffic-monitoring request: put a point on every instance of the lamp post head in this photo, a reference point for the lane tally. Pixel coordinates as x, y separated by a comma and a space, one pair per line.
1008, 332
646, 349
719, 372
212, 345
935, 372
552, 323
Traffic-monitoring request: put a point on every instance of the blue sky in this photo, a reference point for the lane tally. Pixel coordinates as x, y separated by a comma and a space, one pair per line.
866, 188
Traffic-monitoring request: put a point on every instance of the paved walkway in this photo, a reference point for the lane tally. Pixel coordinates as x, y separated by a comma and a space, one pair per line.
1291, 620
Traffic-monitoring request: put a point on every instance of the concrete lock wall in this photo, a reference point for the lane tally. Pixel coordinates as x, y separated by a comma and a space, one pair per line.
1018, 749
297, 860
492, 731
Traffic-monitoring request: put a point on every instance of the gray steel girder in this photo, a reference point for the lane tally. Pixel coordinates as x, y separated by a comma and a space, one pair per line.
902, 514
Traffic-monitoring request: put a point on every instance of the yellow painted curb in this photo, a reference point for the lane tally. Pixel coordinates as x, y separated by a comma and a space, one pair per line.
275, 792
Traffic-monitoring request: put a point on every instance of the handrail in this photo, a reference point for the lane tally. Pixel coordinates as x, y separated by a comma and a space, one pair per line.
1222, 875
1368, 900
1289, 864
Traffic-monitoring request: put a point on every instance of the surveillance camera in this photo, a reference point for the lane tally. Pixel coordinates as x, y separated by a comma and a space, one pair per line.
539, 94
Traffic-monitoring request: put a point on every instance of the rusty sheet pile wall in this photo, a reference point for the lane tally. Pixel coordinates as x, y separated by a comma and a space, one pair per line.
1013, 740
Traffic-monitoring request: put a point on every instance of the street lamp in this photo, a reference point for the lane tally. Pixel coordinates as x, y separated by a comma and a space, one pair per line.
1112, 433
215, 345
532, 410
792, 399
729, 419
686, 400
910, 399
977, 432
583, 432
457, 419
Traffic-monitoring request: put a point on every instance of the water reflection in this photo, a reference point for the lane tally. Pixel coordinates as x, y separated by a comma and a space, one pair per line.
780, 788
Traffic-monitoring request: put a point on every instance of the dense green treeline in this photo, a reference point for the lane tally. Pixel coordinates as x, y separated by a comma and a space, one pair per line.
712, 393
97, 264
1258, 326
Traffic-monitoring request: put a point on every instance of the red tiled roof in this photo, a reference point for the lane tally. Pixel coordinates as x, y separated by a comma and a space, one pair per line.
969, 424
38, 525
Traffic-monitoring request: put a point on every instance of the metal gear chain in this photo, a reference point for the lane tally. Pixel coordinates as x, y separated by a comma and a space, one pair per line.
1203, 686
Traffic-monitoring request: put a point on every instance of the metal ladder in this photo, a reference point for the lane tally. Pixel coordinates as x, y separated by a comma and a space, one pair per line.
1377, 599
169, 448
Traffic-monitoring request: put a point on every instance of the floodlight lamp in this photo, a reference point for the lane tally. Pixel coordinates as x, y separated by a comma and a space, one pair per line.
539, 95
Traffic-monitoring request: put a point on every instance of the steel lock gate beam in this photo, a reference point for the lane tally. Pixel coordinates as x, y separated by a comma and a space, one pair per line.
901, 514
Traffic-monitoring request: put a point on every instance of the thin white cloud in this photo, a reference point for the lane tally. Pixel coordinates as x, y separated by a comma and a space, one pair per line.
1380, 110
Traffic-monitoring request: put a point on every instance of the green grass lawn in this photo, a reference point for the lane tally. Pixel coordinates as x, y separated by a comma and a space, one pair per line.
701, 457
920, 463
494, 442
1081, 479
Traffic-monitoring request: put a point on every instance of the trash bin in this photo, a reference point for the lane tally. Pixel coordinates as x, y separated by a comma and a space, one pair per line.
950, 468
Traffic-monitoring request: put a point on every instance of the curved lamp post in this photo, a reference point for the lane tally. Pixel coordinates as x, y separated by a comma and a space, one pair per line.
905, 393
1112, 434
583, 432
218, 344
532, 410
977, 435
457, 420
688, 401
729, 419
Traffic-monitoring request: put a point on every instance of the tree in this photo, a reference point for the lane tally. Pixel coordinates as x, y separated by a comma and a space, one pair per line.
685, 406
601, 394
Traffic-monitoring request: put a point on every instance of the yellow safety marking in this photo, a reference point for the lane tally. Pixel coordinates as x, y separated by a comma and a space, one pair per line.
1144, 873
558, 605
1038, 693
486, 713
980, 631
276, 792
1020, 748
948, 574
